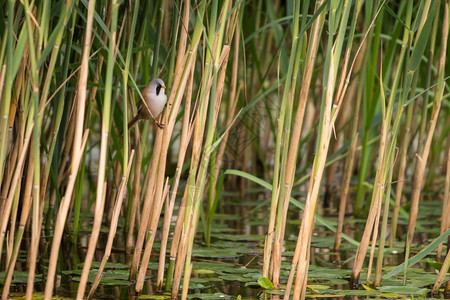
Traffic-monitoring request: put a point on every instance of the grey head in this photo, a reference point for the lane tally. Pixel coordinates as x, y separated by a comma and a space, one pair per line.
157, 86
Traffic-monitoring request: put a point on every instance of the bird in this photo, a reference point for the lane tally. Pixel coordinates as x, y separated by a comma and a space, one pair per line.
155, 101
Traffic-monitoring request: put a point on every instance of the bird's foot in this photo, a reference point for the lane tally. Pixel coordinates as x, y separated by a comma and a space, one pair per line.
160, 125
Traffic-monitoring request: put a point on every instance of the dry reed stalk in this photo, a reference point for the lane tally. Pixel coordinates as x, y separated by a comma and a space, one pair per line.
228, 123
181, 255
199, 169
313, 192
92, 243
294, 142
160, 156
151, 193
112, 192
185, 137
300, 287
372, 215
168, 211
422, 158
348, 166
191, 229
344, 191
146, 209
67, 147
26, 205
222, 68
340, 137
160, 151
61, 220
5, 174
184, 28
101, 174
295, 138
82, 84
36, 220
400, 181
149, 245
234, 96
17, 174
177, 233
136, 191
188, 229
186, 283
186, 134
446, 264
113, 226
383, 159
12, 159
374, 236
381, 244
10, 232
445, 217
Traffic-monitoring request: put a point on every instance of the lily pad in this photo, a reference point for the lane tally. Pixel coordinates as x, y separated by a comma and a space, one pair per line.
20, 277
235, 277
407, 290
434, 264
214, 253
265, 283
240, 237
203, 272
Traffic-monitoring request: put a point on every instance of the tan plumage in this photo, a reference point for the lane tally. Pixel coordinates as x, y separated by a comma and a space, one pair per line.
155, 101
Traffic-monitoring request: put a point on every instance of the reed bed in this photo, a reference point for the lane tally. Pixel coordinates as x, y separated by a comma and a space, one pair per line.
331, 97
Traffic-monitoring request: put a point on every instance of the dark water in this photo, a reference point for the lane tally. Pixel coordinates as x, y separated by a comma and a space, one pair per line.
232, 265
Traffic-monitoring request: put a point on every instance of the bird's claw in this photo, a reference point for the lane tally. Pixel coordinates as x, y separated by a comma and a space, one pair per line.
160, 125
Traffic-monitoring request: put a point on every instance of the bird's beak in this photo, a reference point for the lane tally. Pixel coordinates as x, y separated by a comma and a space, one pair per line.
163, 86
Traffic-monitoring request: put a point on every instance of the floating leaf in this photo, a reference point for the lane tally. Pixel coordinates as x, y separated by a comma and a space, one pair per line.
214, 253
427, 250
235, 277
406, 289
265, 283
275, 292
205, 279
240, 237
20, 277
318, 286
203, 271
392, 295
357, 293
368, 288
253, 284
431, 262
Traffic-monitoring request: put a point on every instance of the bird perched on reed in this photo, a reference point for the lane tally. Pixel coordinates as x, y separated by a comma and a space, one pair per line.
155, 101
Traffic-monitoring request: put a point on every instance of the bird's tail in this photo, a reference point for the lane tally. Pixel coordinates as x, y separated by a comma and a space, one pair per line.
133, 121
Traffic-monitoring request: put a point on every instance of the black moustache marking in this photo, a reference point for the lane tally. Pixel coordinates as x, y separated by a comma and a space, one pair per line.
158, 89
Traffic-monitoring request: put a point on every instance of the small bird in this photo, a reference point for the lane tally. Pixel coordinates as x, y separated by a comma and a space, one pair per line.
155, 100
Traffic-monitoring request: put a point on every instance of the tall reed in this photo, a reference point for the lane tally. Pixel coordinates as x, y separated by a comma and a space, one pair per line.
259, 89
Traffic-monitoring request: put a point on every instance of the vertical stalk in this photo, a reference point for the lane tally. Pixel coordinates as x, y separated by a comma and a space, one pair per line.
106, 117
419, 171
282, 136
385, 153
6, 97
34, 70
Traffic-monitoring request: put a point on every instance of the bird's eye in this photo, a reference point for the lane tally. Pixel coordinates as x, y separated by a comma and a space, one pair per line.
158, 89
